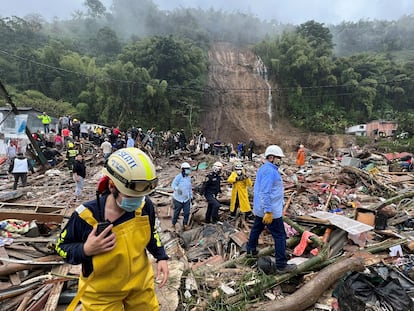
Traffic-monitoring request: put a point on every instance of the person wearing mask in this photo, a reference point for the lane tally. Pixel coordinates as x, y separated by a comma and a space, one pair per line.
239, 195
110, 237
19, 167
182, 195
300, 156
45, 121
211, 190
79, 174
268, 208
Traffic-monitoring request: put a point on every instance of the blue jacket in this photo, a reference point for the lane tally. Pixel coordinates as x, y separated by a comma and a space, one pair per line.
182, 188
268, 191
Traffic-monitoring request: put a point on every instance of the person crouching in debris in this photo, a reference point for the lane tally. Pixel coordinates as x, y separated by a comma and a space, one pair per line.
212, 189
19, 167
182, 195
268, 208
239, 195
109, 236
79, 174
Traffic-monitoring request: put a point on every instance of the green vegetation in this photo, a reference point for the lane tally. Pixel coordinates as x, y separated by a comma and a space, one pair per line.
138, 65
328, 93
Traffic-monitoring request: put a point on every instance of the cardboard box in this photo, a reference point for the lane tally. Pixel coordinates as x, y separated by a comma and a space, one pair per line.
365, 216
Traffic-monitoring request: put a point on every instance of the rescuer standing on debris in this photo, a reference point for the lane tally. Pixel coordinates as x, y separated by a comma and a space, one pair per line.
300, 156
212, 189
268, 207
45, 121
182, 196
19, 167
110, 235
71, 153
239, 195
79, 174
250, 149
106, 148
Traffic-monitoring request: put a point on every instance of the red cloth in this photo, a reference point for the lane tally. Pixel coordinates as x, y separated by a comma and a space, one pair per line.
300, 248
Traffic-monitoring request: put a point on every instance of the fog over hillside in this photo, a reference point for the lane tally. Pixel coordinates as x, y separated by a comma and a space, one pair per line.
283, 11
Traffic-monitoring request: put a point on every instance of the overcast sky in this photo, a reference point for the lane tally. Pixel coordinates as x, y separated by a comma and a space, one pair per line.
284, 11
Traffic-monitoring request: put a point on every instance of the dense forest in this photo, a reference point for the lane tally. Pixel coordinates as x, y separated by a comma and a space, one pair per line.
133, 64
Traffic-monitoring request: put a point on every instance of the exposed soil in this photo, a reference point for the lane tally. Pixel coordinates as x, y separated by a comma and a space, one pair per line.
237, 106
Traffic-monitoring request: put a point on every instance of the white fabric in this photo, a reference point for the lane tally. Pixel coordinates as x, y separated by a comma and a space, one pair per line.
20, 166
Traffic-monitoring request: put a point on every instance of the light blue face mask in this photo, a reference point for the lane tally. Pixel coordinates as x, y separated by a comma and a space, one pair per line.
187, 171
131, 204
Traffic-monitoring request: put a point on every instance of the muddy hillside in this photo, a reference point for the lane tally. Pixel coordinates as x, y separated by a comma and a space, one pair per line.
240, 105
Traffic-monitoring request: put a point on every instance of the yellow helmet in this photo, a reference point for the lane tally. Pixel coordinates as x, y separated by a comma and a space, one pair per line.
71, 145
132, 172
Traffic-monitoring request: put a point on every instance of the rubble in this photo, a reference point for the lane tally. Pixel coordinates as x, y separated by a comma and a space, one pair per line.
350, 211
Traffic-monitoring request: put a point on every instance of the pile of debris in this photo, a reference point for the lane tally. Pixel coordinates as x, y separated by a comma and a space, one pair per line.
344, 215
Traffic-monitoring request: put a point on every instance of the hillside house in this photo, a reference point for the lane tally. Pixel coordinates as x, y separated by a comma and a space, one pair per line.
357, 130
381, 128
10, 123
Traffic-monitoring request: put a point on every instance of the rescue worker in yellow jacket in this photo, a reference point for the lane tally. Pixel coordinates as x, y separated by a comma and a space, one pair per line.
71, 154
239, 195
109, 236
45, 121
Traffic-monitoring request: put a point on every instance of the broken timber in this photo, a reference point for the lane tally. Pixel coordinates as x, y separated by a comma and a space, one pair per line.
29, 212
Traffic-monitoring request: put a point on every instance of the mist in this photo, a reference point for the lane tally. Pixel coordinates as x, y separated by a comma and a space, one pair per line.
282, 11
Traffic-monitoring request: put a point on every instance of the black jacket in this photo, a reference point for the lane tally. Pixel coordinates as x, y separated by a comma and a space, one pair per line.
212, 184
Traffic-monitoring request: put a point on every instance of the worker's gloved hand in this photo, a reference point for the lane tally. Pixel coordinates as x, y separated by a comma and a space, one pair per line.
179, 191
267, 218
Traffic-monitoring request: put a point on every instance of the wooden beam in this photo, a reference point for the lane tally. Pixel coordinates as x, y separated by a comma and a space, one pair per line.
52, 302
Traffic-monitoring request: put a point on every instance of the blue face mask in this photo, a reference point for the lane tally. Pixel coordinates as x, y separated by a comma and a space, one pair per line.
187, 171
131, 204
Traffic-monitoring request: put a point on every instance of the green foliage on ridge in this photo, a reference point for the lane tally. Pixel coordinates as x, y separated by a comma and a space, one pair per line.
133, 64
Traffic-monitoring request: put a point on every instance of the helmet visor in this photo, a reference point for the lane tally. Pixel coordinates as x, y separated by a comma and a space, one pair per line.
135, 185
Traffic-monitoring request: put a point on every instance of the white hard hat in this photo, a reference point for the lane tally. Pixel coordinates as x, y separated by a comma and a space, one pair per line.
218, 164
185, 165
238, 166
132, 172
274, 150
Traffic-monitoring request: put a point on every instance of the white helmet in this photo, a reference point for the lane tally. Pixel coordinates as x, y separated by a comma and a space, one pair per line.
218, 165
238, 166
185, 165
274, 150
132, 172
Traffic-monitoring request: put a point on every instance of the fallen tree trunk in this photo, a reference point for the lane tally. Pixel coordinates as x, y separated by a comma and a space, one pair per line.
309, 293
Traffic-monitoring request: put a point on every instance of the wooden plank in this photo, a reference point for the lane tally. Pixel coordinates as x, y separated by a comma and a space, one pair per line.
53, 299
34, 207
14, 277
28, 216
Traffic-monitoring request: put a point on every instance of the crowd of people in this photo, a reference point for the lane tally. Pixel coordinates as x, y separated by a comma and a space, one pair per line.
110, 235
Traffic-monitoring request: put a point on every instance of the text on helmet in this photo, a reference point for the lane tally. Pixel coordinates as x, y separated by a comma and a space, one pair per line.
128, 159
